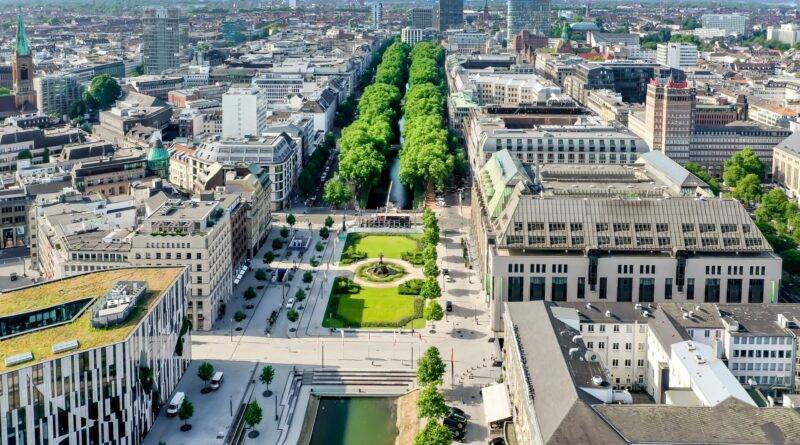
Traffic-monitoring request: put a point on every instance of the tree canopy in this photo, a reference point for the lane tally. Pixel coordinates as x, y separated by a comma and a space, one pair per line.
434, 433
431, 403
337, 193
105, 90
706, 177
740, 165
430, 368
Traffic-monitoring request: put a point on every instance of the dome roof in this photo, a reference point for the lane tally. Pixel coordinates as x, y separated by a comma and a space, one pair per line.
157, 151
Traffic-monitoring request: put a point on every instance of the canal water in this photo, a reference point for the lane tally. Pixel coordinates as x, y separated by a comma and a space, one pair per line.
355, 421
400, 195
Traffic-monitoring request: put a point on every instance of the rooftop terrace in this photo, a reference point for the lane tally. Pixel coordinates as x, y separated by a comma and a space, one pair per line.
92, 285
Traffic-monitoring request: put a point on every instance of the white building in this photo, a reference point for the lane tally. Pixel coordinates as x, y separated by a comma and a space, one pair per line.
277, 87
56, 93
732, 23
196, 76
76, 370
244, 112
788, 33
677, 55
377, 15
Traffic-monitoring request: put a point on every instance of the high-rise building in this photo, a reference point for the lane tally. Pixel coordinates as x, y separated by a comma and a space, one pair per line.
677, 55
162, 34
669, 118
530, 15
22, 69
56, 93
451, 14
377, 14
244, 112
732, 23
421, 18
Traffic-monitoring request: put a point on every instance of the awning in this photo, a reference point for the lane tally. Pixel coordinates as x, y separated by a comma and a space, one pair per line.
496, 406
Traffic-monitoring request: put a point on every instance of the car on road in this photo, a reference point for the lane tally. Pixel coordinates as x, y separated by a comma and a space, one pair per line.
290, 303
451, 423
175, 404
449, 306
457, 412
14, 276
216, 381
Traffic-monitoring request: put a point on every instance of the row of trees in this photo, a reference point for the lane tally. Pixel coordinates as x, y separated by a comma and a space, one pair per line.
425, 159
364, 143
309, 177
430, 287
431, 404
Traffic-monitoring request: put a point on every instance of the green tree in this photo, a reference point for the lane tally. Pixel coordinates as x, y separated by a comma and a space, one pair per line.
791, 261
291, 220
434, 433
89, 101
185, 411
250, 293
267, 375
336, 194
46, 155
25, 154
308, 277
105, 90
261, 274
284, 232
277, 244
742, 164
431, 368
252, 414
268, 258
704, 176
430, 269
324, 232
329, 221
748, 189
430, 288
292, 315
5, 91
431, 403
239, 316
300, 295
433, 311
429, 252
76, 109
205, 371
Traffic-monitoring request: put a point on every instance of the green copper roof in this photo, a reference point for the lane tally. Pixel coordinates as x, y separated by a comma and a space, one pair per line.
157, 153
22, 48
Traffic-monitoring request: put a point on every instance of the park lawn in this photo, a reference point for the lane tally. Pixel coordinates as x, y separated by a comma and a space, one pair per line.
373, 307
392, 246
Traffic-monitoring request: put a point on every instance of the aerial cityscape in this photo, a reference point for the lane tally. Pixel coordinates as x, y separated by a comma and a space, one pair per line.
368, 222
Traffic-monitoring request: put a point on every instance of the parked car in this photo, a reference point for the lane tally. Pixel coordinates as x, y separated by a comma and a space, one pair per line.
14, 276
175, 404
216, 380
289, 303
454, 423
458, 413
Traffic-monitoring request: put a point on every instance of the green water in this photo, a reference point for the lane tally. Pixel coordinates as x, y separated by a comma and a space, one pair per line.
355, 421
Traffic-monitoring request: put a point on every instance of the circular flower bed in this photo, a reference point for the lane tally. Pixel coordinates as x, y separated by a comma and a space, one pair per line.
380, 272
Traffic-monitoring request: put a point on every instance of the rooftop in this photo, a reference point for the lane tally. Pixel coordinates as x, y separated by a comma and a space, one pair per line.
91, 285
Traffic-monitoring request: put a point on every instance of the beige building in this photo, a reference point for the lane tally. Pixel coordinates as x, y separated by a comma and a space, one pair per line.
648, 232
253, 186
786, 165
196, 234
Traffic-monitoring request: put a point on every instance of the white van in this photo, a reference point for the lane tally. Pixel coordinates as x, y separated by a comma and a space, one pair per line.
217, 380
175, 404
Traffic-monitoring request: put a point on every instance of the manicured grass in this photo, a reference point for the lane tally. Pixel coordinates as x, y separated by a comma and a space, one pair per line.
372, 307
392, 246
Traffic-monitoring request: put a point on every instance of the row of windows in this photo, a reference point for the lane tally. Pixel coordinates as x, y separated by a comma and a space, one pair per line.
540, 143
762, 379
758, 353
758, 340
759, 367
624, 227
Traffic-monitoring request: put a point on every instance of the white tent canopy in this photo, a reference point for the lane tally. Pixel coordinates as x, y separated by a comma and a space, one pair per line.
496, 406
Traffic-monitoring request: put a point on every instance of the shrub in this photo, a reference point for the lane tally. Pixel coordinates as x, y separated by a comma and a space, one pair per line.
319, 247
351, 255
239, 316
324, 233
398, 272
250, 293
414, 257
277, 243
261, 275
410, 287
284, 232
314, 262
308, 277
269, 257
300, 295
292, 315
329, 221
343, 285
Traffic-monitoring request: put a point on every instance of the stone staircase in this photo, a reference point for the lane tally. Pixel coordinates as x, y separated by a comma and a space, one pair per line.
364, 377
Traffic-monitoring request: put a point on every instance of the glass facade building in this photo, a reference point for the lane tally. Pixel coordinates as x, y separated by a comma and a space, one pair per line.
528, 15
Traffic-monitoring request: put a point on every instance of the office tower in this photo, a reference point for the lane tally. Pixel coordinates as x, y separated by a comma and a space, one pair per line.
669, 118
732, 23
56, 93
244, 112
451, 14
422, 18
22, 69
530, 15
377, 14
677, 55
162, 34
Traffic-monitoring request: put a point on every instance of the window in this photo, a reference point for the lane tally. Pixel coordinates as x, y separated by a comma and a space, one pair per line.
537, 288
514, 288
581, 287
615, 346
624, 289
559, 289
712, 290
734, 293
687, 228
615, 362
756, 292
668, 288
646, 289
603, 288
690, 288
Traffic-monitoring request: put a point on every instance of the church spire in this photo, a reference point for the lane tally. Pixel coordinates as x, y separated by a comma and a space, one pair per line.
22, 48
